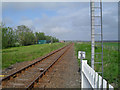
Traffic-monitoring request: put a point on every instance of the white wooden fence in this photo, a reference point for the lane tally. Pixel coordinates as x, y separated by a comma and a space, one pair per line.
91, 79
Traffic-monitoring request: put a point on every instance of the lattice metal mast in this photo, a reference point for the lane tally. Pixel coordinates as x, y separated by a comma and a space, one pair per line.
96, 25
92, 33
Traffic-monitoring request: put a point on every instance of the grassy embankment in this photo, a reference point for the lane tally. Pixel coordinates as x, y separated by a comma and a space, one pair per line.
110, 58
27, 53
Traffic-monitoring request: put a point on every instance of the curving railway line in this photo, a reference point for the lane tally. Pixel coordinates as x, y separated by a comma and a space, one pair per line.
29, 76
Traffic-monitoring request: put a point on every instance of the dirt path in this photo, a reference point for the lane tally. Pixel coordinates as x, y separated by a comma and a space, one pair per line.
64, 74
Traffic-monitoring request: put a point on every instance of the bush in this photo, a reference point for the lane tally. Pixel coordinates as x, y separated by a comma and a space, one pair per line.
17, 44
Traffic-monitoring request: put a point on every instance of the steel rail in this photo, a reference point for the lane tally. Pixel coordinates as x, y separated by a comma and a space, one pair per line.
36, 80
24, 68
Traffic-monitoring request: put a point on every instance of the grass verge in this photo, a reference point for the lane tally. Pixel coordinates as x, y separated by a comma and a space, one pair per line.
27, 53
110, 59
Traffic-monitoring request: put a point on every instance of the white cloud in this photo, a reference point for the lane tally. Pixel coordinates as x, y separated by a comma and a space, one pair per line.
73, 24
8, 21
59, 30
72, 21
28, 23
110, 21
42, 5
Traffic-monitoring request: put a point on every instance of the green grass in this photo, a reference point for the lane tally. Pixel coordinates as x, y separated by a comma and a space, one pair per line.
27, 53
112, 45
110, 58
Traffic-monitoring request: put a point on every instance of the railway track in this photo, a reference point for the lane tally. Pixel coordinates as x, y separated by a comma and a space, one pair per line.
28, 76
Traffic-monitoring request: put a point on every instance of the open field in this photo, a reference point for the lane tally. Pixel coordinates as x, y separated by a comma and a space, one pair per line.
27, 53
110, 59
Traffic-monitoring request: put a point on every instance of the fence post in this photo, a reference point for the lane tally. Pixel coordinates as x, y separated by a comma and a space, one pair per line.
96, 80
104, 84
100, 82
91, 79
84, 82
111, 87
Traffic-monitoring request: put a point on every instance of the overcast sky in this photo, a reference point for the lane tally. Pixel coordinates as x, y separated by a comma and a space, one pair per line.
66, 21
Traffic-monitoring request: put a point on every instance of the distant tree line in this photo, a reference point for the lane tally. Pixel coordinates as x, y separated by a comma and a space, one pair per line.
22, 36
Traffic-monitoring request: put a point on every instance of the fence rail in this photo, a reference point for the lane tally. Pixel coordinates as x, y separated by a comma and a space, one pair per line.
91, 79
